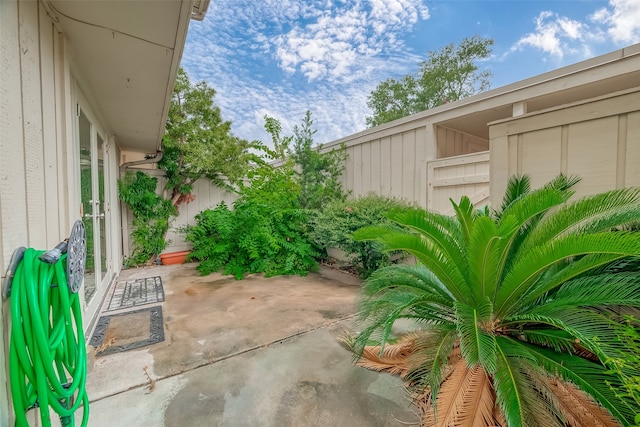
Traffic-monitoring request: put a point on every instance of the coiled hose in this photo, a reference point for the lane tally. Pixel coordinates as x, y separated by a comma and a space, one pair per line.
47, 356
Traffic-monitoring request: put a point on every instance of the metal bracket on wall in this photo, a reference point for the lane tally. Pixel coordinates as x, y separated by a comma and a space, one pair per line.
17, 256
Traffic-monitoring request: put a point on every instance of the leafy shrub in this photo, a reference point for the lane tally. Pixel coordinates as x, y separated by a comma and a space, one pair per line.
333, 227
213, 238
151, 216
249, 239
268, 229
516, 301
266, 232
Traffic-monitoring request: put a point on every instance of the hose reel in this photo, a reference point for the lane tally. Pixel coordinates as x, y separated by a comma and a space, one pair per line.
47, 357
76, 249
76, 256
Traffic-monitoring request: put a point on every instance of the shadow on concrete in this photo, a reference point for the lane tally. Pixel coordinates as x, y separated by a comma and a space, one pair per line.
255, 352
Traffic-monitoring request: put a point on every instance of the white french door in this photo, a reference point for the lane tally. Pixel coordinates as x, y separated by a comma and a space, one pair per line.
94, 210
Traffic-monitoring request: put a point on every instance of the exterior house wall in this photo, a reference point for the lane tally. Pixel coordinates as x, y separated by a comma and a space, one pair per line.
394, 159
39, 149
385, 165
453, 142
62, 80
396, 162
451, 178
597, 140
34, 142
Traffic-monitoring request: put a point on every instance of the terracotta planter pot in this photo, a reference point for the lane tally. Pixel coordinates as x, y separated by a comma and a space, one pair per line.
173, 257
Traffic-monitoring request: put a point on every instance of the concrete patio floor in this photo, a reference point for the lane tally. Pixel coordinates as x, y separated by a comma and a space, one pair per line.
256, 352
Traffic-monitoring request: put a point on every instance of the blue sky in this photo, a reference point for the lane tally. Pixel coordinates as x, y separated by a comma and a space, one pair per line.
282, 57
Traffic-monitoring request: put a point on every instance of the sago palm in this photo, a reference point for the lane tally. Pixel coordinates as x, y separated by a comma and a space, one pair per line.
521, 311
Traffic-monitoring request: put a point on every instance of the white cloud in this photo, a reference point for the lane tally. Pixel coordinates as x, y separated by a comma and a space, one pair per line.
333, 43
553, 34
614, 25
622, 20
282, 57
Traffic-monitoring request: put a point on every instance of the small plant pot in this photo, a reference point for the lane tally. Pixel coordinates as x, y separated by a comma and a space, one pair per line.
173, 257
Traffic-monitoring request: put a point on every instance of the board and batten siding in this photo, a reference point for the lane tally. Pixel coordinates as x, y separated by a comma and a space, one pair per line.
392, 166
36, 137
393, 162
597, 140
453, 142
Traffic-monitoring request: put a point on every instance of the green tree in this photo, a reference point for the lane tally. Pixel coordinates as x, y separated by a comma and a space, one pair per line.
521, 310
198, 142
447, 75
318, 173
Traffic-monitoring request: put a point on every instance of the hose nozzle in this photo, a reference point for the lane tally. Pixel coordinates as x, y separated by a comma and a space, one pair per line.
53, 255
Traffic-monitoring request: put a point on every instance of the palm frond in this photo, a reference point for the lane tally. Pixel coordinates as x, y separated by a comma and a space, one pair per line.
546, 403
465, 213
465, 399
511, 386
563, 182
577, 408
431, 358
426, 252
378, 315
527, 211
595, 332
601, 291
416, 278
488, 247
476, 345
624, 265
392, 358
565, 271
593, 379
534, 204
517, 186
529, 267
597, 213
556, 339
444, 231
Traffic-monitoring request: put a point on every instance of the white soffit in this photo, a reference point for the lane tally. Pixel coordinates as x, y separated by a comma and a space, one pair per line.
127, 53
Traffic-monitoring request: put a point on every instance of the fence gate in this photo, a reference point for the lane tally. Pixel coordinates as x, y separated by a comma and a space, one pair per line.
454, 177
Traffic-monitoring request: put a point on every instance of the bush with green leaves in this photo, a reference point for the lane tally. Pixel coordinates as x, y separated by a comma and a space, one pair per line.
266, 232
197, 144
268, 229
151, 216
248, 239
334, 226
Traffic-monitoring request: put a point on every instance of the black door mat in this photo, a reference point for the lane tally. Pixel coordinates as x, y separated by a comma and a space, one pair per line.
126, 331
134, 293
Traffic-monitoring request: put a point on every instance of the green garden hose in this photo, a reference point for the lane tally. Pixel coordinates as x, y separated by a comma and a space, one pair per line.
47, 356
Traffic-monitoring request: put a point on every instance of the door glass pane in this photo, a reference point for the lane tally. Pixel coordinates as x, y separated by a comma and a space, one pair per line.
102, 211
86, 191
